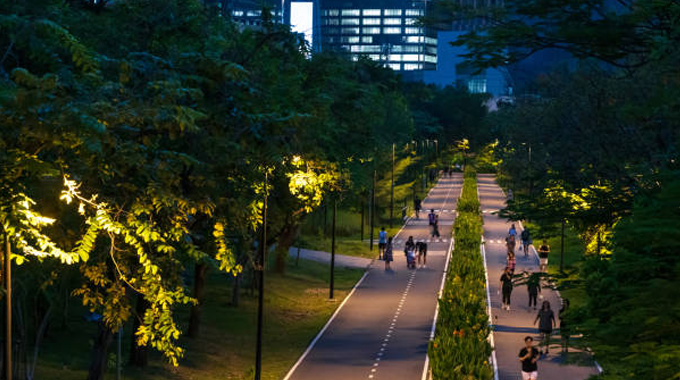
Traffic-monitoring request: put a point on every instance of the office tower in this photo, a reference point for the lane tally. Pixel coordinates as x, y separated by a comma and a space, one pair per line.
247, 12
386, 31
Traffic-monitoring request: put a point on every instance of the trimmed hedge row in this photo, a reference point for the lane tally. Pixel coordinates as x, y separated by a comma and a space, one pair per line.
460, 349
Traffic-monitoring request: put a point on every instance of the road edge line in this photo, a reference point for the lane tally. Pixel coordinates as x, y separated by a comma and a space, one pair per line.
488, 311
318, 336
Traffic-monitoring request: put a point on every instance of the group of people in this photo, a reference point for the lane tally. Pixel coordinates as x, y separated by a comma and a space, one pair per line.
533, 283
415, 252
545, 317
529, 355
432, 217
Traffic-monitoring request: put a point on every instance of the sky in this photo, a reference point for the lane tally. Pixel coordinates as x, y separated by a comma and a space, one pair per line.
301, 18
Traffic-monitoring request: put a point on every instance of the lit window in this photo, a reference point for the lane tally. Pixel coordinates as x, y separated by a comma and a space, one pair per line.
392, 12
411, 21
371, 30
237, 13
375, 57
366, 48
430, 41
371, 12
395, 57
431, 59
414, 12
412, 30
355, 57
413, 66
332, 21
367, 39
392, 21
371, 21
413, 39
395, 66
477, 85
350, 21
350, 40
392, 30
333, 12
411, 57
350, 30
350, 12
254, 13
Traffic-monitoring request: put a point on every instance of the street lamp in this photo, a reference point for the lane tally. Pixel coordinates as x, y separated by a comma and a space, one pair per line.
261, 264
335, 211
392, 190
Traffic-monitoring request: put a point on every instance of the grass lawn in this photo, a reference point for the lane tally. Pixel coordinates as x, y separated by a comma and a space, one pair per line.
296, 307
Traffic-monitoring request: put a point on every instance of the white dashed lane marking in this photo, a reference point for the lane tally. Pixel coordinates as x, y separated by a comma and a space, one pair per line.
390, 331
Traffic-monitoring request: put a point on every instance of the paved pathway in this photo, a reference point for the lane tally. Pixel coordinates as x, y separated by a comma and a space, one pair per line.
512, 326
325, 257
383, 329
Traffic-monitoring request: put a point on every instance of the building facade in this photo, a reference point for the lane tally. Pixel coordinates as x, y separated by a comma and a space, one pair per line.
385, 31
248, 12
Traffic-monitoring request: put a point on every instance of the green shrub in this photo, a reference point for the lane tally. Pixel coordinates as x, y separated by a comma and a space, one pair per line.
460, 349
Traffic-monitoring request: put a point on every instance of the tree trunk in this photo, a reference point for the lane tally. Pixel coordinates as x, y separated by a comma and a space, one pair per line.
101, 346
285, 241
362, 219
199, 287
139, 355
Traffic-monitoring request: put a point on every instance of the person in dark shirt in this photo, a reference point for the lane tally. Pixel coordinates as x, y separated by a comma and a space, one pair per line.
546, 323
533, 287
506, 287
417, 206
528, 356
421, 247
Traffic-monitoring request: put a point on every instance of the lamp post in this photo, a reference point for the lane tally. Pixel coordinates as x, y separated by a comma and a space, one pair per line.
372, 208
260, 300
335, 211
8, 308
562, 248
392, 190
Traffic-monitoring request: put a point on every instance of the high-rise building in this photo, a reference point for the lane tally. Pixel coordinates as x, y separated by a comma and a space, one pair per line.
248, 12
386, 31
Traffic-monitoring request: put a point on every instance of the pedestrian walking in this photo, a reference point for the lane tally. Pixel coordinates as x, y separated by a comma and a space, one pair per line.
564, 328
528, 356
417, 206
510, 195
431, 220
511, 262
422, 253
510, 242
526, 241
410, 252
388, 256
506, 287
546, 322
533, 287
382, 242
435, 227
543, 252
512, 231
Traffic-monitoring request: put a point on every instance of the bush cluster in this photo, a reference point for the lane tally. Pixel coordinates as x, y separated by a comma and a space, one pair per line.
460, 349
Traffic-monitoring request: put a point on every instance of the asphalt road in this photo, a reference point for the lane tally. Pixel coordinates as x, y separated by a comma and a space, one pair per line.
512, 326
383, 329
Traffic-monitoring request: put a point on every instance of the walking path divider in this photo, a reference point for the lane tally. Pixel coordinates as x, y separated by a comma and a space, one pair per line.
426, 366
